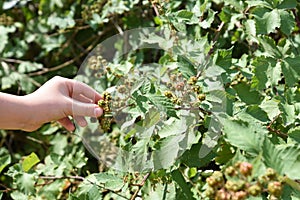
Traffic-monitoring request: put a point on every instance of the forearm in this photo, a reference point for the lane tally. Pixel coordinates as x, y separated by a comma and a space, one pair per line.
14, 112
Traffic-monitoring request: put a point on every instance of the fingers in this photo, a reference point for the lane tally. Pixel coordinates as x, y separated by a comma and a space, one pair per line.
80, 121
67, 123
81, 90
85, 109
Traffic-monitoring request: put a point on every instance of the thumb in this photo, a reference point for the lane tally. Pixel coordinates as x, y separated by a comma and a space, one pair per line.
86, 109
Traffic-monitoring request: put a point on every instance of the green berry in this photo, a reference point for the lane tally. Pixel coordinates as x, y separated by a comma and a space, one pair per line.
210, 192
101, 103
230, 171
271, 173
201, 97
254, 190
168, 94
240, 195
275, 188
193, 80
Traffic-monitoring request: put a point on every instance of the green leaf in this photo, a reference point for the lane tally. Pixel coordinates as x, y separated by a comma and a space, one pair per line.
184, 186
287, 22
5, 158
163, 104
270, 47
184, 15
186, 67
294, 133
268, 22
25, 67
258, 113
223, 58
271, 107
25, 183
29, 161
167, 151
247, 136
246, 95
291, 70
287, 4
110, 181
288, 113
271, 156
173, 126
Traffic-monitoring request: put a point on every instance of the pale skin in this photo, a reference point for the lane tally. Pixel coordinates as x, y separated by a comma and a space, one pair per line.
58, 99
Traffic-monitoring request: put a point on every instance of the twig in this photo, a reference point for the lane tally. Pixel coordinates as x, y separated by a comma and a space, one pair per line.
140, 186
274, 130
67, 63
80, 178
155, 8
121, 32
6, 189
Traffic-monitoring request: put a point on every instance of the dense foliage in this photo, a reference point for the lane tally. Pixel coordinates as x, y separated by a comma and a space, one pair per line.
210, 111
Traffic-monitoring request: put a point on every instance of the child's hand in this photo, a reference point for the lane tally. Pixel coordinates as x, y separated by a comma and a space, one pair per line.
59, 98
56, 100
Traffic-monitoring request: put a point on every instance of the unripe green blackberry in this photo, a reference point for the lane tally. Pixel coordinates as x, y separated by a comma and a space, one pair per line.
106, 96
240, 195
271, 173
235, 185
101, 103
254, 190
275, 188
168, 94
210, 192
196, 88
230, 171
193, 80
201, 97
211, 181
246, 168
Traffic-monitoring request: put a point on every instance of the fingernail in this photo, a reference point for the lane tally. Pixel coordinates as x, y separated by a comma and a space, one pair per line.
98, 112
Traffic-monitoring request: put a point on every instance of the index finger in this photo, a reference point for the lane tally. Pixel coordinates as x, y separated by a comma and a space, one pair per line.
80, 89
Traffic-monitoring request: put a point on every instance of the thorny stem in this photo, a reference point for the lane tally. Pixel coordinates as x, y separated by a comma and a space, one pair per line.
269, 127
140, 186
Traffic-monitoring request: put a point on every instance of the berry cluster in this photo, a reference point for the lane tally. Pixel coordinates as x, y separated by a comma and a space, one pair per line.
182, 90
6, 20
106, 119
95, 8
237, 183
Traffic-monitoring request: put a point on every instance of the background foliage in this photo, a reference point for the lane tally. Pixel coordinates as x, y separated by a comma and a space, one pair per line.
252, 45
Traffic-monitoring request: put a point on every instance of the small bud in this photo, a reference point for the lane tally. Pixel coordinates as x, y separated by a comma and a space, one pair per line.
230, 171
